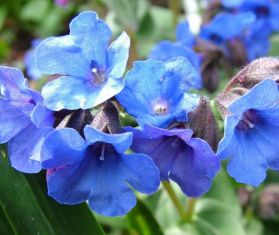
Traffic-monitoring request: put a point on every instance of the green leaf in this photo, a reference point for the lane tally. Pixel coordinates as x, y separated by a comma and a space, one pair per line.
28, 210
35, 11
220, 218
129, 13
142, 222
223, 190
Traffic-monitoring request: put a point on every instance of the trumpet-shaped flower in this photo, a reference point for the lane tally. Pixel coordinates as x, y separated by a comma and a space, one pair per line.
24, 121
91, 69
155, 92
190, 162
251, 134
97, 169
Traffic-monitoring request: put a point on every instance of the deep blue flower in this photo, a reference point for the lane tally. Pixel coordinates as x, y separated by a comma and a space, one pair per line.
155, 91
24, 121
32, 69
190, 162
97, 169
92, 70
252, 133
266, 10
234, 25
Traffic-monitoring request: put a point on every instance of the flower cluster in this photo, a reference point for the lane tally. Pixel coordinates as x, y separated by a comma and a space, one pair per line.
248, 26
72, 129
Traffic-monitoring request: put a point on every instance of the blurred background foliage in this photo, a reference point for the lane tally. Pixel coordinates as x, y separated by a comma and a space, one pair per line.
25, 209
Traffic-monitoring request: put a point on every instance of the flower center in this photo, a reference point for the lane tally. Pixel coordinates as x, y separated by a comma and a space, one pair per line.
160, 108
98, 76
248, 120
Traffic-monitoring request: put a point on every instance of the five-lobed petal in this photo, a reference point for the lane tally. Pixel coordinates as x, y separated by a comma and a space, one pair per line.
97, 169
190, 162
155, 92
91, 70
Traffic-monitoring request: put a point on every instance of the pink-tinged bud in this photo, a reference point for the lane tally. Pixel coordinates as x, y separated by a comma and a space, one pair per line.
255, 72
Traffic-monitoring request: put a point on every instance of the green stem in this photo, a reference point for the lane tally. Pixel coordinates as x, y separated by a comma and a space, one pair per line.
174, 198
190, 209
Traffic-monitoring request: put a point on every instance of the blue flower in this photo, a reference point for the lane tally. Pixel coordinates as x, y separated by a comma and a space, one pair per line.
32, 69
183, 34
190, 162
267, 11
257, 41
155, 91
24, 121
91, 69
96, 169
252, 133
166, 50
234, 25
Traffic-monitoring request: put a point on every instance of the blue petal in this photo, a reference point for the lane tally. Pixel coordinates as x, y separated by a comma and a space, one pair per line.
142, 86
155, 132
104, 182
118, 54
72, 184
231, 3
150, 141
184, 35
182, 70
254, 150
194, 168
32, 69
234, 24
121, 142
224, 145
62, 147
189, 162
93, 36
262, 100
112, 195
12, 84
12, 121
42, 117
25, 149
166, 50
63, 56
151, 83
71, 93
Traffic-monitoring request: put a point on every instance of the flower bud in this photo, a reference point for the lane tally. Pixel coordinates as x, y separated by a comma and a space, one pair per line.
211, 58
203, 123
237, 52
225, 99
107, 119
256, 71
269, 202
